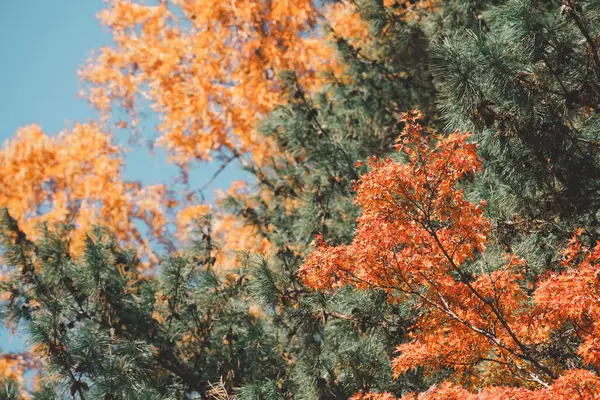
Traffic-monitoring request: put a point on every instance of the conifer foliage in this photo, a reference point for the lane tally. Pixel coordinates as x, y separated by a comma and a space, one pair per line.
103, 331
378, 252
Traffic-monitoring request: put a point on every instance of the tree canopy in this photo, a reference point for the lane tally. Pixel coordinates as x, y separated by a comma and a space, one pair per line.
422, 219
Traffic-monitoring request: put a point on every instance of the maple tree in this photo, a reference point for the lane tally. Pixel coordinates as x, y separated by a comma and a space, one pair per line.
415, 240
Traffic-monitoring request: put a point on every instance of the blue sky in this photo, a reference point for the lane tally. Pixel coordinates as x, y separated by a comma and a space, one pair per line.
42, 45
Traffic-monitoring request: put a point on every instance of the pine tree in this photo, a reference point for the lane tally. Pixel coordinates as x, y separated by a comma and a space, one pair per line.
524, 81
105, 331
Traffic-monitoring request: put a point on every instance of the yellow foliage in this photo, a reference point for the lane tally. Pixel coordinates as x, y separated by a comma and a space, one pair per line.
75, 177
209, 68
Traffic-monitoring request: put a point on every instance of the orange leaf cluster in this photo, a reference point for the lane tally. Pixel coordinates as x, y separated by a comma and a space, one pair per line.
235, 232
75, 177
572, 299
208, 68
14, 366
415, 225
416, 239
574, 384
